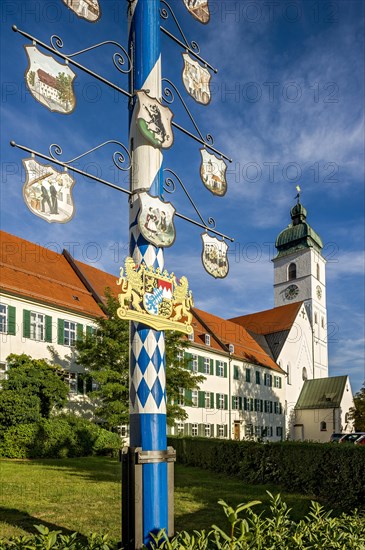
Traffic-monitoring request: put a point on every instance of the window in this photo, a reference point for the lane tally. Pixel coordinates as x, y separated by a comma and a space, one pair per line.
207, 430
236, 403
194, 398
220, 368
195, 363
316, 318
124, 431
249, 429
268, 406
322, 322
277, 408
181, 400
277, 382
220, 401
268, 380
231, 348
221, 430
207, 400
318, 271
304, 374
258, 430
258, 377
180, 356
194, 430
69, 334
37, 326
191, 337
180, 428
3, 318
207, 339
248, 404
248, 375
323, 426
206, 365
72, 382
292, 272
279, 431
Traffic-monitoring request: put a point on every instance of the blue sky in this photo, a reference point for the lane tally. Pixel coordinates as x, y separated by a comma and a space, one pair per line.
287, 107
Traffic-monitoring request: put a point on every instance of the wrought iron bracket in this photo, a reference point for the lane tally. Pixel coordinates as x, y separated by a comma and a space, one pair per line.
191, 47
170, 187
169, 97
119, 157
56, 42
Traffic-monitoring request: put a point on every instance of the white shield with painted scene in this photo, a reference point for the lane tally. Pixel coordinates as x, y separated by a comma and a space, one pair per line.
154, 121
156, 220
196, 80
50, 82
198, 9
47, 192
214, 256
213, 173
87, 9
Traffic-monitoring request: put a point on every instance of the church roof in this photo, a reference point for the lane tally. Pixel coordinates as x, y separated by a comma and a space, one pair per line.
270, 321
298, 235
322, 393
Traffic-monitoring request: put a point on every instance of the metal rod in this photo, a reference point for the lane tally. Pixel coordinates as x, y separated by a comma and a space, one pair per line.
210, 147
71, 168
71, 61
204, 227
186, 47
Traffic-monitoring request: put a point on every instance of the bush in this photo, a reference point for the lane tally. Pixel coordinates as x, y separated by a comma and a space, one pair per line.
275, 531
334, 473
59, 437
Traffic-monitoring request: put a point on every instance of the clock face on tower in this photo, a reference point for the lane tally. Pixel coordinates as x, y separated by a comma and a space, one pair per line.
291, 292
319, 292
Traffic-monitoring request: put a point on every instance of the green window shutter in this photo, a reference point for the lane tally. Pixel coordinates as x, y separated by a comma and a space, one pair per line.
186, 429
216, 368
217, 400
200, 364
11, 321
188, 398
188, 357
235, 372
245, 404
211, 366
79, 331
89, 384
201, 399
89, 331
279, 381
233, 402
248, 375
225, 370
240, 403
60, 331
211, 400
270, 383
26, 323
261, 406
48, 328
80, 383
212, 430
258, 381
225, 430
201, 430
225, 402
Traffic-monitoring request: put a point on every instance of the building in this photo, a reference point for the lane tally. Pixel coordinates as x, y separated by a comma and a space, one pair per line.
256, 366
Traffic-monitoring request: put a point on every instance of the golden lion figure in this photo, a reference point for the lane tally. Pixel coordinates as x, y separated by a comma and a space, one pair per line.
182, 301
132, 286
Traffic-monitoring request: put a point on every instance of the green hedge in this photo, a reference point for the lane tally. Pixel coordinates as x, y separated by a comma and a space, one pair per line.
331, 472
274, 531
59, 437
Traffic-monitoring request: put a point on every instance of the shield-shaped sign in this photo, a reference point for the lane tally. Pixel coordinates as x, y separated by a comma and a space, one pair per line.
213, 173
214, 256
156, 220
47, 192
198, 9
50, 82
196, 80
87, 9
154, 121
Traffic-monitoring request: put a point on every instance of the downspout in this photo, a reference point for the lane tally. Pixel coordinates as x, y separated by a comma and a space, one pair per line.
229, 394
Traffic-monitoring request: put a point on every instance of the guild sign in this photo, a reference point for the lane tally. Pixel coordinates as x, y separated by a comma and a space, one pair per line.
196, 80
156, 220
198, 9
47, 192
157, 299
50, 82
214, 256
154, 121
87, 9
213, 173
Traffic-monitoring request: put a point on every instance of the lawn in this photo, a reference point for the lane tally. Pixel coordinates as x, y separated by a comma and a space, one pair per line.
83, 495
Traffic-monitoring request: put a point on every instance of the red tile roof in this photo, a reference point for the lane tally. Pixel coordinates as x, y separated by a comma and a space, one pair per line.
227, 332
271, 320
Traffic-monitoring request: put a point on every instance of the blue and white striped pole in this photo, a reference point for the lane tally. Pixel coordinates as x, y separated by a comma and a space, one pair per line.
147, 355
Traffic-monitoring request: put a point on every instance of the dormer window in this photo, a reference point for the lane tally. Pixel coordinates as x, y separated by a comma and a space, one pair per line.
292, 272
191, 337
207, 339
231, 348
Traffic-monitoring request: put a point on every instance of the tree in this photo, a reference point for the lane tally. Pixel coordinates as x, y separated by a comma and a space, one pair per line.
64, 88
357, 413
105, 355
36, 378
18, 408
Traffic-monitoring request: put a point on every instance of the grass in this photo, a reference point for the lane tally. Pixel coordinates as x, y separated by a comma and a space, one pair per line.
83, 495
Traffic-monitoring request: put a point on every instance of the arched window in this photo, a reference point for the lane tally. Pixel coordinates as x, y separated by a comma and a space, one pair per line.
304, 374
316, 318
288, 378
292, 272
322, 322
323, 426
318, 271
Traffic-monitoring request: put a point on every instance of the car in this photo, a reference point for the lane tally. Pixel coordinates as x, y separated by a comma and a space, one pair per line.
335, 437
361, 440
351, 438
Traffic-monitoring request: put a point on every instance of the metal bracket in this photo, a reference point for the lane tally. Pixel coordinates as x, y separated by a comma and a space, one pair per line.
154, 457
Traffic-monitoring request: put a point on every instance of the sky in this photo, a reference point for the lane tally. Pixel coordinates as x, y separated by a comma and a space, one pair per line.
287, 107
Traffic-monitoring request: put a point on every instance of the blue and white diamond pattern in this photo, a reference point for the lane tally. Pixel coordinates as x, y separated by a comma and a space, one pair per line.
148, 378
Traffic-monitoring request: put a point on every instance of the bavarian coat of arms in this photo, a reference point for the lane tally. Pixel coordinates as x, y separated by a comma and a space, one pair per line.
154, 121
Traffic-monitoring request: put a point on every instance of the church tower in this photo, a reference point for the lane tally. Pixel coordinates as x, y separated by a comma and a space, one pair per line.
300, 276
